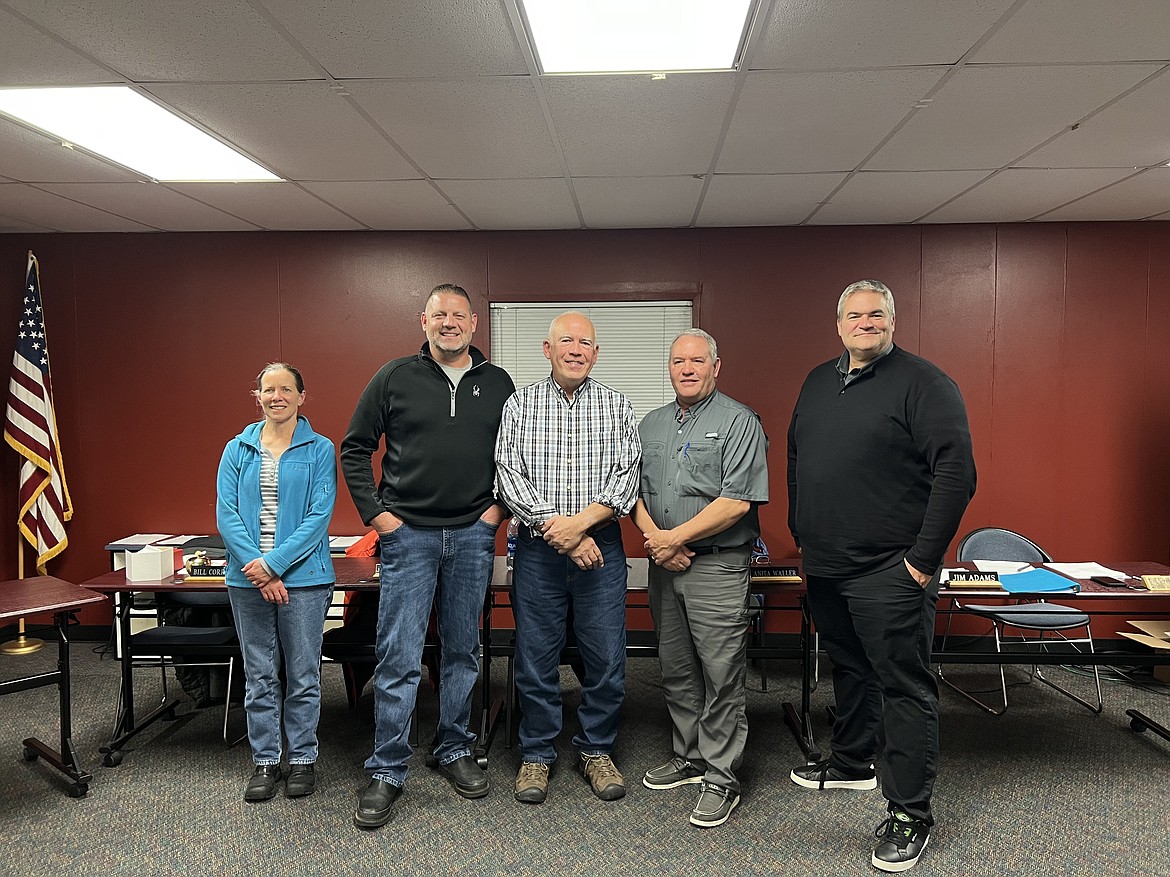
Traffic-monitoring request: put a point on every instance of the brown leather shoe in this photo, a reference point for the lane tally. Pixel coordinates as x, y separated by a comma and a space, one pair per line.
532, 782
607, 781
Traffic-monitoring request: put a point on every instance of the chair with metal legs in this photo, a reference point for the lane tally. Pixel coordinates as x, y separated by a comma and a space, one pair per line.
1048, 623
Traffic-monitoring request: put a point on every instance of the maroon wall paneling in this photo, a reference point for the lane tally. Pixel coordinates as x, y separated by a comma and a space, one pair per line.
1054, 332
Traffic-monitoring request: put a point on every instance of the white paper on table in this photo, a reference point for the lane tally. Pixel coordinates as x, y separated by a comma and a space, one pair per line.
180, 540
1085, 570
138, 540
1003, 567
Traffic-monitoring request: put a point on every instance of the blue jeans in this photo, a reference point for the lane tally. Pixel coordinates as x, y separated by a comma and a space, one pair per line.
267, 633
543, 583
457, 561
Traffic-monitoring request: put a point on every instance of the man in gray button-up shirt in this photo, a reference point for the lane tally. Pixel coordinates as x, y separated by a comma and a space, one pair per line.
704, 474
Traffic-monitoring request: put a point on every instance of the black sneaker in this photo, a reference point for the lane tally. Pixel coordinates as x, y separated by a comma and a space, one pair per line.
822, 775
901, 840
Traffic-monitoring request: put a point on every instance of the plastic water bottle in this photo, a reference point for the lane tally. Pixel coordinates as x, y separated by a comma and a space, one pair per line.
513, 529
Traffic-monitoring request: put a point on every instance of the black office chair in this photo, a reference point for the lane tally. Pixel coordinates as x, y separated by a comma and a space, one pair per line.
177, 646
1042, 617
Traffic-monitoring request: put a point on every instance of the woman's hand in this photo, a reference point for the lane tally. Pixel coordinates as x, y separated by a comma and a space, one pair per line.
274, 591
255, 572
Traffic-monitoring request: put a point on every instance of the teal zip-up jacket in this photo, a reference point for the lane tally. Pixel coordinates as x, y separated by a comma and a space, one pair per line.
307, 479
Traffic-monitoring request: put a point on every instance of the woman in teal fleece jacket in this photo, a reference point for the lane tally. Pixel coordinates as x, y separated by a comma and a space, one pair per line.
275, 491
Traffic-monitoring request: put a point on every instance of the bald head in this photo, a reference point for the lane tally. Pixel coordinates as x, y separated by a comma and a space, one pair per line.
571, 348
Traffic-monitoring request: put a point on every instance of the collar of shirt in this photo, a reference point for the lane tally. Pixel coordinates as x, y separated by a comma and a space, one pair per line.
850, 376
581, 390
693, 411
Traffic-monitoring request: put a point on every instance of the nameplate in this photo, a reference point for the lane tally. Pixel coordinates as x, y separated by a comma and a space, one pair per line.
976, 579
783, 573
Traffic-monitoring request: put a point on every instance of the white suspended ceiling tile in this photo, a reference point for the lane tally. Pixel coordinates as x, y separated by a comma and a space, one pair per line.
148, 40
986, 117
150, 204
33, 157
820, 34
638, 202
272, 206
1145, 194
379, 39
396, 205
1061, 31
757, 199
892, 196
805, 122
465, 128
1132, 133
27, 203
637, 126
31, 58
1017, 194
514, 204
299, 130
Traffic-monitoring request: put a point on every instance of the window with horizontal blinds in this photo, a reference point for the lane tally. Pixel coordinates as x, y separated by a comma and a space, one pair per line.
633, 340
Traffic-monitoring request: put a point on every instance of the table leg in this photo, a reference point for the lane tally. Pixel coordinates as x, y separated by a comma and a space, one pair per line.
65, 760
801, 724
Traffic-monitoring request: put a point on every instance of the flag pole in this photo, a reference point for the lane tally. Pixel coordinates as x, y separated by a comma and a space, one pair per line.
22, 645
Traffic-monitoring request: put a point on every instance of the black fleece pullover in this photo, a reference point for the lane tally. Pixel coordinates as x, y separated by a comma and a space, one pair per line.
878, 470
439, 466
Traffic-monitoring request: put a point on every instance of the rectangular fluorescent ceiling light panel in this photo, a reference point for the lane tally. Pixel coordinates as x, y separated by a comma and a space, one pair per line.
636, 36
118, 123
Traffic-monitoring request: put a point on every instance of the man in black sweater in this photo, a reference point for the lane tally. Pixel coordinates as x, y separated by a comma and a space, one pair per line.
436, 516
880, 471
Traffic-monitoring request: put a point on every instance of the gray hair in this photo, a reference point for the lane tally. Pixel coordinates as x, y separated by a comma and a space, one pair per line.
698, 333
867, 286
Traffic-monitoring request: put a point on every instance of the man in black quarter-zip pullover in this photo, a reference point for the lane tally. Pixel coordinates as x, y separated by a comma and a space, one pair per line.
436, 517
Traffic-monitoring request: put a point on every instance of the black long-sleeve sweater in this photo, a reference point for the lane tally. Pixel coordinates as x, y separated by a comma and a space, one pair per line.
439, 466
880, 469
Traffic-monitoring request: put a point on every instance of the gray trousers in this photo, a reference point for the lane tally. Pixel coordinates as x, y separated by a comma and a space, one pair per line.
701, 616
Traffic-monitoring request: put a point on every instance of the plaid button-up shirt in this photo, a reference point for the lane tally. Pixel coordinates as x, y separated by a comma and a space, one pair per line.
555, 456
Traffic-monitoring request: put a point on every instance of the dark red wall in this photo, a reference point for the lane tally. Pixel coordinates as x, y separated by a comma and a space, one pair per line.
1054, 333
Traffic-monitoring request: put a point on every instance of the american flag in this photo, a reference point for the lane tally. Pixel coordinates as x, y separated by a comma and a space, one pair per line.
30, 427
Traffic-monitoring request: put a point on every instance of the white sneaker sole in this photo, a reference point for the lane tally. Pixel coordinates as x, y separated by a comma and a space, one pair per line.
898, 866
659, 786
866, 785
708, 823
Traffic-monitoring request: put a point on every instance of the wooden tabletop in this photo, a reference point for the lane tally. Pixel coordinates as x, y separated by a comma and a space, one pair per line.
42, 594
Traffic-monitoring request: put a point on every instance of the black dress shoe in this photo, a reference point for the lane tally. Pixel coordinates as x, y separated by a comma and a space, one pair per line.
301, 781
374, 805
466, 776
262, 785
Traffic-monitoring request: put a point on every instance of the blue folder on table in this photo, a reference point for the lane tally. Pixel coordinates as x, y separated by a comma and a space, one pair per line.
1036, 581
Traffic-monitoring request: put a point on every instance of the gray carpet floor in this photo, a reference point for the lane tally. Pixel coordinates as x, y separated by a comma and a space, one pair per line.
1046, 789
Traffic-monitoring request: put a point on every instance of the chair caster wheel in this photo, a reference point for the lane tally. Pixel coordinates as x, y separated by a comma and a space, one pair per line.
77, 790
113, 758
30, 754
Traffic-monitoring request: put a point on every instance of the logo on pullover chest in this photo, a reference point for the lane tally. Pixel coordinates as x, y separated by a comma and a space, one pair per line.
475, 390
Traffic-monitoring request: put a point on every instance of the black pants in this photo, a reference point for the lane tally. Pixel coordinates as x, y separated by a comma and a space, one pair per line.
878, 630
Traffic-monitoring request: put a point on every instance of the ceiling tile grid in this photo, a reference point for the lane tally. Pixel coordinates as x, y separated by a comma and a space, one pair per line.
425, 114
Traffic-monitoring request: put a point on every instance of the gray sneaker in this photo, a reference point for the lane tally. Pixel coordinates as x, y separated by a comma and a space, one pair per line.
714, 806
676, 772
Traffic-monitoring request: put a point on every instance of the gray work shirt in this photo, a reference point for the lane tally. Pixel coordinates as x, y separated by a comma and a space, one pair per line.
717, 450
